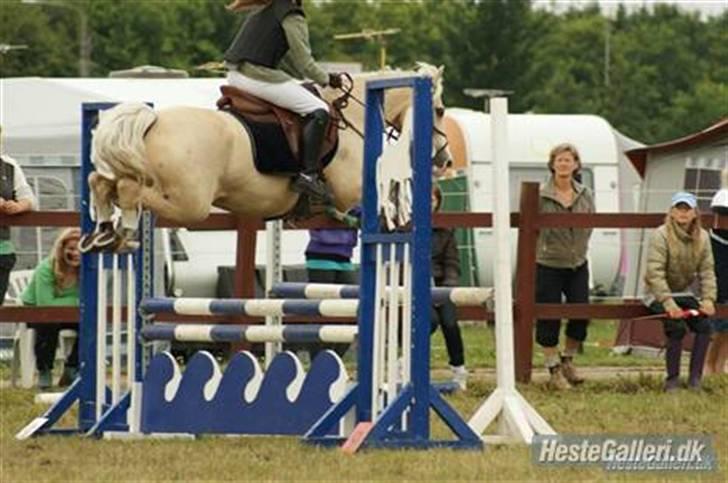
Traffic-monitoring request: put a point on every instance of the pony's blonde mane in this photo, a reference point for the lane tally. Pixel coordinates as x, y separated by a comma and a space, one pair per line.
118, 140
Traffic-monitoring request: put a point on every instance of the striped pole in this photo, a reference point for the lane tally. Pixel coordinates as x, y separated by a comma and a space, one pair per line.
250, 307
300, 334
460, 296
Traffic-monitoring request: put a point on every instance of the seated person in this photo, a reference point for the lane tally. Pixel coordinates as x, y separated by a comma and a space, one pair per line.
55, 283
679, 254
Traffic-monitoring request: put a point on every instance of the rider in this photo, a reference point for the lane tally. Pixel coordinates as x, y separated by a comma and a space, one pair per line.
268, 57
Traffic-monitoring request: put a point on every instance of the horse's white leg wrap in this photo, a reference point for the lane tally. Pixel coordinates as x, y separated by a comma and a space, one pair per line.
130, 219
101, 191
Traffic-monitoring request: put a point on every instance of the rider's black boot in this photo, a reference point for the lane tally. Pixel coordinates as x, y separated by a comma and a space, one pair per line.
308, 181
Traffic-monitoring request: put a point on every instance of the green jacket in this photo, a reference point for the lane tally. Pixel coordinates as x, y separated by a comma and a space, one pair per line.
564, 247
670, 272
42, 288
298, 63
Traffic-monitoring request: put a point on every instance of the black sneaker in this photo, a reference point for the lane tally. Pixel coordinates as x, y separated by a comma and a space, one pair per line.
312, 186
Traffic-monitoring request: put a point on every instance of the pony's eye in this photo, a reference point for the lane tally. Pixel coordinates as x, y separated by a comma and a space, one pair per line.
439, 111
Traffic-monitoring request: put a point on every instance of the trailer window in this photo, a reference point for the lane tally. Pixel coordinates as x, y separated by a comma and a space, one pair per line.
702, 177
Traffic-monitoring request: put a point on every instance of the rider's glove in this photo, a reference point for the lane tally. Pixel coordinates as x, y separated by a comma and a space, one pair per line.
335, 80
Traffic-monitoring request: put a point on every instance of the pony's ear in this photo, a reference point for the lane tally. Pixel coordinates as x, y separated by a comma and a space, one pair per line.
440, 70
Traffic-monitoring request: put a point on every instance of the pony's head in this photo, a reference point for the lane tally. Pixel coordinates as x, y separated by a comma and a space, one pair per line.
442, 158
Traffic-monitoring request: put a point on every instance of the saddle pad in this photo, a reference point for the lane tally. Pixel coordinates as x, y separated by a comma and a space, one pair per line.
271, 152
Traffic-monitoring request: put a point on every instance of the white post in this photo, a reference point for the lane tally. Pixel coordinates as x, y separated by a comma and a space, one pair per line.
133, 414
505, 369
115, 331
392, 325
380, 314
101, 338
273, 274
518, 421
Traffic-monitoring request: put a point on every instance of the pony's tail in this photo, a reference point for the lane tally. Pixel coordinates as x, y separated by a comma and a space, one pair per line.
117, 149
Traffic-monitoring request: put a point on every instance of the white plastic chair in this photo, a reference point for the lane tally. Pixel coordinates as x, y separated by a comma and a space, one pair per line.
23, 340
23, 354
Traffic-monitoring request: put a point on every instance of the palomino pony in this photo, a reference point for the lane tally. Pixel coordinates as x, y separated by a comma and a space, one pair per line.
181, 161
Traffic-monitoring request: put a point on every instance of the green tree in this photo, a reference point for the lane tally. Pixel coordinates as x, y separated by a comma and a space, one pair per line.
51, 36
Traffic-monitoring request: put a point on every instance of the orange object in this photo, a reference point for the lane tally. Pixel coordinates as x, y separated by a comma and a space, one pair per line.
357, 437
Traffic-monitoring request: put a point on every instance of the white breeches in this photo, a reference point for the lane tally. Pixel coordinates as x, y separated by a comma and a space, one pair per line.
288, 95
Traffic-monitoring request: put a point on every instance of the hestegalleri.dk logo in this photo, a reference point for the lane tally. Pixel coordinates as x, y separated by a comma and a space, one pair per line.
627, 452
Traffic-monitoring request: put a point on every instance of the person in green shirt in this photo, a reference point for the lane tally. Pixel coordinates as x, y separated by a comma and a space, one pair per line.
269, 57
15, 197
55, 283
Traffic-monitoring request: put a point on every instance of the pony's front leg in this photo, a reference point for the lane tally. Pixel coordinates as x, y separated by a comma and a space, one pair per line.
129, 193
103, 235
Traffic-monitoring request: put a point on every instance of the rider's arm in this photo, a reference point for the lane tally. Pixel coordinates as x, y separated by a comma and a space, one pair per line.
299, 54
21, 189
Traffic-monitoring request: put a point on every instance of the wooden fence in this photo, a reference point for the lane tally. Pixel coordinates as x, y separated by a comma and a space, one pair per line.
528, 221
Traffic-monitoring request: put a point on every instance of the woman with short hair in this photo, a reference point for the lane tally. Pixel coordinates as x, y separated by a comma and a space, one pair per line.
562, 268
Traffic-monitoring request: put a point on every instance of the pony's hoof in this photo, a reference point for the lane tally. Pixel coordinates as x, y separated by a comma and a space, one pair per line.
126, 242
126, 246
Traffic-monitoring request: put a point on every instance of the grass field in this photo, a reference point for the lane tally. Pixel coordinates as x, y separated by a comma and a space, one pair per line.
618, 405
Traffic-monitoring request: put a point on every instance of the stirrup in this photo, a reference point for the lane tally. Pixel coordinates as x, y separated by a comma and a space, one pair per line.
345, 218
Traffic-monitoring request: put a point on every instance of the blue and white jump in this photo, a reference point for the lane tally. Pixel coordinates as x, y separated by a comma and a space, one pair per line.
393, 394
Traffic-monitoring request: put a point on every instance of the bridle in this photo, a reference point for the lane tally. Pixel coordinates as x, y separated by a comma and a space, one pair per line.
393, 132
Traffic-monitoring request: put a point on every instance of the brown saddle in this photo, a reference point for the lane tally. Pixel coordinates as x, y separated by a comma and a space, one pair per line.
257, 110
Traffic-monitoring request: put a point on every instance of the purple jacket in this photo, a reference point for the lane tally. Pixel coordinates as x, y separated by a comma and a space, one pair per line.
333, 243
339, 242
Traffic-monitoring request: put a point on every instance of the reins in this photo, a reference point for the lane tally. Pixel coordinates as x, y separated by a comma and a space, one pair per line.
393, 132
342, 102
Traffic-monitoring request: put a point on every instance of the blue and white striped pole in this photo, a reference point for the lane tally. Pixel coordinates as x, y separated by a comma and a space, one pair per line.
249, 307
460, 296
293, 333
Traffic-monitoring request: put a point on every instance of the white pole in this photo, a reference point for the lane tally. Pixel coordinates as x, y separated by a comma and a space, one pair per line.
101, 338
517, 420
115, 331
407, 320
502, 255
273, 274
130, 321
380, 314
392, 326
133, 412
